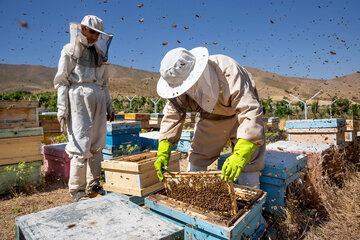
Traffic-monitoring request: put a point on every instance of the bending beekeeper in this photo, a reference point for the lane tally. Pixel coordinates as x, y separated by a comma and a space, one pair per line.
224, 95
84, 103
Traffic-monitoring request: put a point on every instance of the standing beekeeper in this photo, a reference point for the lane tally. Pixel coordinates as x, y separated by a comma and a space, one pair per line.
84, 103
224, 95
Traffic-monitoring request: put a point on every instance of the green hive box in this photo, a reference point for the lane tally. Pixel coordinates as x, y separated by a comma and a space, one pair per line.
12, 176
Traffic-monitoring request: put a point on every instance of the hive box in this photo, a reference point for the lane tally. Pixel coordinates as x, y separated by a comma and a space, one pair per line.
49, 122
57, 161
20, 145
281, 168
22, 114
351, 128
150, 140
107, 217
331, 131
299, 148
14, 175
122, 137
185, 141
198, 225
135, 174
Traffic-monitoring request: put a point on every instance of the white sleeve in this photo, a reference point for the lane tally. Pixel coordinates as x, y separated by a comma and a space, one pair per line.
61, 83
109, 107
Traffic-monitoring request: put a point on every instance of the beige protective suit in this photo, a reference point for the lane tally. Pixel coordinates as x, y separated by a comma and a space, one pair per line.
83, 100
237, 114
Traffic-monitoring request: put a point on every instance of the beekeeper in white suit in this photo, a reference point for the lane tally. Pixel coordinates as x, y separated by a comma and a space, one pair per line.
224, 95
84, 103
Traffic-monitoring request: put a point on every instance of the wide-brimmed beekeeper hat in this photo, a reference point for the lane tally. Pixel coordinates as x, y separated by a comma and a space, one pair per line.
180, 69
94, 23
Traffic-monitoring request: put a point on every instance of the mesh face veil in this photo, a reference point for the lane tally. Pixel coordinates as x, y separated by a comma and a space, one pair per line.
78, 42
206, 90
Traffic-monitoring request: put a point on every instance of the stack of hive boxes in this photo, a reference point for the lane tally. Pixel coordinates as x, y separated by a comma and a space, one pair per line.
143, 118
122, 138
20, 141
330, 131
352, 127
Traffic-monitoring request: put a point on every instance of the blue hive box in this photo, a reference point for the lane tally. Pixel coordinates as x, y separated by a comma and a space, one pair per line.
248, 225
150, 140
107, 217
122, 138
281, 168
185, 140
315, 123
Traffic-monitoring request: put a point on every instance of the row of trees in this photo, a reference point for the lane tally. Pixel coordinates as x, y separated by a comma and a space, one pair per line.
339, 107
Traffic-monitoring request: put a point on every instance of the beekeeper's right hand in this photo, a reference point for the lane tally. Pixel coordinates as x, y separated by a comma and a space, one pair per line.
163, 157
63, 127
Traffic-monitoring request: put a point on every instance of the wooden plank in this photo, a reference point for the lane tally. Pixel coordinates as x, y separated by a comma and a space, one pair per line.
29, 114
19, 125
21, 140
329, 138
120, 164
18, 147
15, 160
123, 179
134, 191
21, 132
316, 130
18, 104
50, 125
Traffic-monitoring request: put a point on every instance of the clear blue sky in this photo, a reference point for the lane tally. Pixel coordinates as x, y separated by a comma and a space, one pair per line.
291, 38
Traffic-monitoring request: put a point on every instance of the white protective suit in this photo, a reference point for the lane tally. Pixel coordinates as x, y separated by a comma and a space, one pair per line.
236, 114
84, 101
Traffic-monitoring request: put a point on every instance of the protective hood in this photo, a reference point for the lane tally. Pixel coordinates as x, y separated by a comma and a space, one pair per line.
78, 42
206, 90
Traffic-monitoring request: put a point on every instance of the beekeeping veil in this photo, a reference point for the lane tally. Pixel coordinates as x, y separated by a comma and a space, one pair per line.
78, 42
184, 71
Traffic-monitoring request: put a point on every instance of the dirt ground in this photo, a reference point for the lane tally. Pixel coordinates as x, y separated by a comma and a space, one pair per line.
52, 193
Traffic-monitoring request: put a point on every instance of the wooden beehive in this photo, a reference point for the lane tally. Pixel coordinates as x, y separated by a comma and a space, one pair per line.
200, 224
330, 131
135, 174
20, 145
107, 217
18, 114
351, 128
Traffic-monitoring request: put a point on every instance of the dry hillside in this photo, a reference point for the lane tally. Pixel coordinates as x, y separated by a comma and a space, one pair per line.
128, 82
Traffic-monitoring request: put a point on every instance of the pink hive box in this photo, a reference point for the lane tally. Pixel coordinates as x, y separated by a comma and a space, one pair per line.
57, 161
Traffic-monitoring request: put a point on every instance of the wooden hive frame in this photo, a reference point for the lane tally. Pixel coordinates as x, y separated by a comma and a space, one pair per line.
241, 193
135, 174
206, 177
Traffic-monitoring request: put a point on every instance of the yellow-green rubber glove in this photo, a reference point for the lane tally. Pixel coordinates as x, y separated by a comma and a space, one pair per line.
237, 161
163, 157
